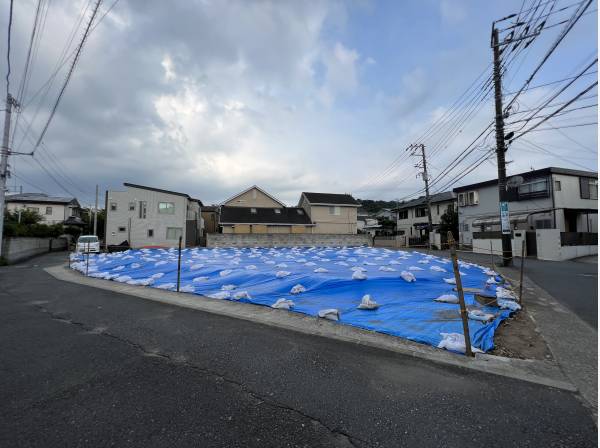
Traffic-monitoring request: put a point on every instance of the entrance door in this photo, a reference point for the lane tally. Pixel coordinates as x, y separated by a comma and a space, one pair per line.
531, 243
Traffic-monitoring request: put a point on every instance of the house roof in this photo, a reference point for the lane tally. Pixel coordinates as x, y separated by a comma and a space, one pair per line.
434, 198
210, 208
259, 189
160, 190
330, 199
531, 175
263, 215
32, 198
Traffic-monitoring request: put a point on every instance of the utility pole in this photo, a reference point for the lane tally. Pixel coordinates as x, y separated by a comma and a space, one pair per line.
96, 213
5, 151
500, 151
425, 177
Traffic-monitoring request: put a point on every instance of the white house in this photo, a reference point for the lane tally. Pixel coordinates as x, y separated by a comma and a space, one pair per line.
558, 199
52, 209
147, 216
412, 215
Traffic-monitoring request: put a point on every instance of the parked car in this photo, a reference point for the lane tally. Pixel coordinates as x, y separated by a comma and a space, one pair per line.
88, 243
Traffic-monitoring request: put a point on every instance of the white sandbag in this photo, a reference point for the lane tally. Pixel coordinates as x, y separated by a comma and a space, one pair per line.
437, 269
415, 268
241, 295
481, 316
160, 263
491, 281
228, 287
423, 261
408, 276
330, 314
118, 268
199, 279
450, 281
367, 303
281, 265
358, 268
225, 272
196, 266
386, 269
187, 288
320, 270
269, 262
167, 286
503, 293
447, 298
135, 266
251, 267
359, 275
455, 342
310, 263
220, 295
490, 272
281, 274
297, 289
506, 304
122, 278
283, 304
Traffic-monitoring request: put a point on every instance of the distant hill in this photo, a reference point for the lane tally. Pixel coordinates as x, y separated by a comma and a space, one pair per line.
373, 207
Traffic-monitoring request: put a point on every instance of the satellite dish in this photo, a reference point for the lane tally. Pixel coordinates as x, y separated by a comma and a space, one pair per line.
514, 182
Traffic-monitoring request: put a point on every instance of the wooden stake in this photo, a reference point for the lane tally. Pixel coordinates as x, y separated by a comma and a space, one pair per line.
492, 255
179, 265
461, 296
522, 268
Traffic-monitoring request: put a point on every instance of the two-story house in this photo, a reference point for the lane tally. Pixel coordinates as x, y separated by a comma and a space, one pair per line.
412, 215
52, 209
548, 198
147, 216
331, 213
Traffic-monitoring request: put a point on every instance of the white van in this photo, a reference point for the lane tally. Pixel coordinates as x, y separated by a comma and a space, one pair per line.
88, 243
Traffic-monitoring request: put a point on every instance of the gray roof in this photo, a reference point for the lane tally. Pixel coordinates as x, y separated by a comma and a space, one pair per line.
330, 198
31, 198
434, 198
263, 215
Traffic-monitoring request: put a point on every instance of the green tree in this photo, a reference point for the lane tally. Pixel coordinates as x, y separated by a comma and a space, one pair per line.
449, 222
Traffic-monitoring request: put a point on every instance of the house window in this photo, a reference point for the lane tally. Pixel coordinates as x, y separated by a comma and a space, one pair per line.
150, 233
464, 227
33, 209
420, 212
122, 229
461, 200
253, 211
403, 214
557, 185
48, 210
142, 210
166, 208
173, 233
113, 206
588, 188
277, 211
335, 210
537, 187
543, 224
131, 206
472, 198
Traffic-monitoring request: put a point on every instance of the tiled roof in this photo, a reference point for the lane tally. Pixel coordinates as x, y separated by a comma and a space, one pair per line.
330, 198
263, 215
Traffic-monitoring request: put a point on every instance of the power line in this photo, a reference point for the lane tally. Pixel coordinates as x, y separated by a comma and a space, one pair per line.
69, 74
10, 18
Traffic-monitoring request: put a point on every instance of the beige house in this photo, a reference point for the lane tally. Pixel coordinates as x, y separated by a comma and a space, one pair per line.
53, 210
256, 211
331, 213
146, 216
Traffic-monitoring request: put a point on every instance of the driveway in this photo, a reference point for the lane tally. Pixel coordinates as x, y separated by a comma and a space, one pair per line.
90, 367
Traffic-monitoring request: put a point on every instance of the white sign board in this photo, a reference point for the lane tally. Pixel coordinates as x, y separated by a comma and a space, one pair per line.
504, 218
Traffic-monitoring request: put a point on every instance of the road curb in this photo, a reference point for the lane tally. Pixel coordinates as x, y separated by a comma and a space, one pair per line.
535, 371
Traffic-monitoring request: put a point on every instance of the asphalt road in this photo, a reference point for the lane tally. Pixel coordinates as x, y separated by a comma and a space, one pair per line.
88, 367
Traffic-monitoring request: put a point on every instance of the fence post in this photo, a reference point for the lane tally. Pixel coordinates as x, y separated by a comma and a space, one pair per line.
492, 255
522, 268
87, 263
461, 297
179, 265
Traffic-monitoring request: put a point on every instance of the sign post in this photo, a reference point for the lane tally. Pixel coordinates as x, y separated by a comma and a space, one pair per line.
504, 218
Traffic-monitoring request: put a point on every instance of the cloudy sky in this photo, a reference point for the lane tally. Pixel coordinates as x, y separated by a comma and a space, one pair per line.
209, 97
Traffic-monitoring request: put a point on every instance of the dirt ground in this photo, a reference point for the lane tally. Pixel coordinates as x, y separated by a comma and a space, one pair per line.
517, 337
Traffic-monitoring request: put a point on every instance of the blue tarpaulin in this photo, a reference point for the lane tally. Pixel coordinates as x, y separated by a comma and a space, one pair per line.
263, 275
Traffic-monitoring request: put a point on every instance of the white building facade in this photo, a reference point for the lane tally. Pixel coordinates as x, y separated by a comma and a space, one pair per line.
412, 215
52, 209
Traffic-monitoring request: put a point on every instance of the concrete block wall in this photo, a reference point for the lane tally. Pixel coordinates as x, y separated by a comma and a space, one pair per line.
21, 248
283, 240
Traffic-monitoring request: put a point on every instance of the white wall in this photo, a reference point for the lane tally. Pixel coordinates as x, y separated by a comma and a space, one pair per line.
58, 215
549, 248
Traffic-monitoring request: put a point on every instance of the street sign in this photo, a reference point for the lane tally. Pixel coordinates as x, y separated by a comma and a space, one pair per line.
504, 218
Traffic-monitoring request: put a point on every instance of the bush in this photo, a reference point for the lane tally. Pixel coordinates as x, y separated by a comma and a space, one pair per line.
30, 226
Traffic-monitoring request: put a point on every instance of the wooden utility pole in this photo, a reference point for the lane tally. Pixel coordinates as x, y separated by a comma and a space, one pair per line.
500, 151
461, 297
179, 264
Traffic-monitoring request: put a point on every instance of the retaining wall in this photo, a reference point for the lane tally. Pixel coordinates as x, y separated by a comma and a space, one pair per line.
283, 240
21, 248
